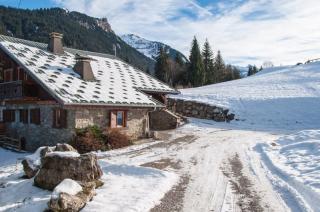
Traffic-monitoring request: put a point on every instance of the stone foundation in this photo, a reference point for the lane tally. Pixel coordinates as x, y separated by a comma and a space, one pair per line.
199, 110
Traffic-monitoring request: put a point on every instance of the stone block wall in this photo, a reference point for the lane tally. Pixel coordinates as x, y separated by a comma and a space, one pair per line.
163, 120
199, 110
45, 135
39, 135
137, 123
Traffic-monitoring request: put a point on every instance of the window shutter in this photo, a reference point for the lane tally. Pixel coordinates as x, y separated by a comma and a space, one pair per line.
54, 118
35, 116
24, 116
5, 115
63, 118
113, 119
125, 117
12, 115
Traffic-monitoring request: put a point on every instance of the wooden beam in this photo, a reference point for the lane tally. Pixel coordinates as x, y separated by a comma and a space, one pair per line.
30, 100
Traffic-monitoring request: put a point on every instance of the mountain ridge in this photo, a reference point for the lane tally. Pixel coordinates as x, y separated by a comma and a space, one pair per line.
150, 48
80, 32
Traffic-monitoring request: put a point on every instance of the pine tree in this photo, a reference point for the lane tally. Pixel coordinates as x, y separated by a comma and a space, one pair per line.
161, 65
207, 56
196, 70
250, 70
219, 68
255, 69
260, 68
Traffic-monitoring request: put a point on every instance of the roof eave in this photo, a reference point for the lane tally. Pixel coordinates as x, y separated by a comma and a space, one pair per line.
159, 91
116, 105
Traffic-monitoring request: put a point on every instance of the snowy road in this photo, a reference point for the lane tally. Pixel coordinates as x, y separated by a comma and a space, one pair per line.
201, 150
202, 166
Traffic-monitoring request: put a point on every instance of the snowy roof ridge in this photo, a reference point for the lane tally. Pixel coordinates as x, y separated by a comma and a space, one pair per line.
117, 83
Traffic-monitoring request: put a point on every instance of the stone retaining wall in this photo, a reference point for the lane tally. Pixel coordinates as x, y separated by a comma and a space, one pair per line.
199, 110
163, 120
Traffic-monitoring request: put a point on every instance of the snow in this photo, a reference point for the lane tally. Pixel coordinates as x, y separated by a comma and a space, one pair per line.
34, 160
294, 160
126, 187
117, 83
63, 154
281, 97
66, 186
131, 188
146, 47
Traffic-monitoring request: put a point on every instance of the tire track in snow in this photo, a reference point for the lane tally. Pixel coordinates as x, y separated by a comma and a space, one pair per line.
297, 196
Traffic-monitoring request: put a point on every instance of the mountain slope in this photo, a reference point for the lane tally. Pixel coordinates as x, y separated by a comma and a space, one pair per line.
80, 31
150, 48
280, 97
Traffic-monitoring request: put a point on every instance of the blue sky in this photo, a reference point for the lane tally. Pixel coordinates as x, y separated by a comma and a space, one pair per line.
246, 31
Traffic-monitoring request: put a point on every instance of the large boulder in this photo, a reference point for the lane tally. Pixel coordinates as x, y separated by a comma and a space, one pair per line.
71, 196
32, 163
57, 166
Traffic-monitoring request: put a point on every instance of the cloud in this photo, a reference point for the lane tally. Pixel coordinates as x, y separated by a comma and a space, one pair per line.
253, 30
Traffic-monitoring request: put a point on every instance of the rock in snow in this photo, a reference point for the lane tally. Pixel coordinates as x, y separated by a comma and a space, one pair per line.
57, 166
67, 186
31, 163
69, 195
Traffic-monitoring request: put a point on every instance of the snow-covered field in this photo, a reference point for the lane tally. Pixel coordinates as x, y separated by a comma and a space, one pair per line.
281, 97
273, 150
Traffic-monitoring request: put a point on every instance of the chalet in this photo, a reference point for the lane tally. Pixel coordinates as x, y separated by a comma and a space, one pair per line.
47, 91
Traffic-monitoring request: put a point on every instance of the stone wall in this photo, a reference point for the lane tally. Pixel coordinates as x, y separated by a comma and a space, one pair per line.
43, 135
199, 110
163, 120
39, 135
137, 123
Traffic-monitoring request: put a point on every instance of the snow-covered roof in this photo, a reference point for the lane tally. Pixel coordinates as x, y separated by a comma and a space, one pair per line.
117, 83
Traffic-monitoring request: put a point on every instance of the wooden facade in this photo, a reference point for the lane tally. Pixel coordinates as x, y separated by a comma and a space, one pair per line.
16, 84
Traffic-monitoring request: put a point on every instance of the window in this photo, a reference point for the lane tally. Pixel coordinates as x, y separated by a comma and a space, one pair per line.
35, 116
9, 115
118, 119
59, 118
24, 115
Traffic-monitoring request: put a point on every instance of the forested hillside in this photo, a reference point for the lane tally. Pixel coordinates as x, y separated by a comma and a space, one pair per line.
80, 31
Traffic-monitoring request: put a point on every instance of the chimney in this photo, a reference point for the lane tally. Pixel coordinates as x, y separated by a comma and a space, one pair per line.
83, 68
55, 43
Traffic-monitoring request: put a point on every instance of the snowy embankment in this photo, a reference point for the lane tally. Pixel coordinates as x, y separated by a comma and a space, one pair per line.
281, 97
293, 161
